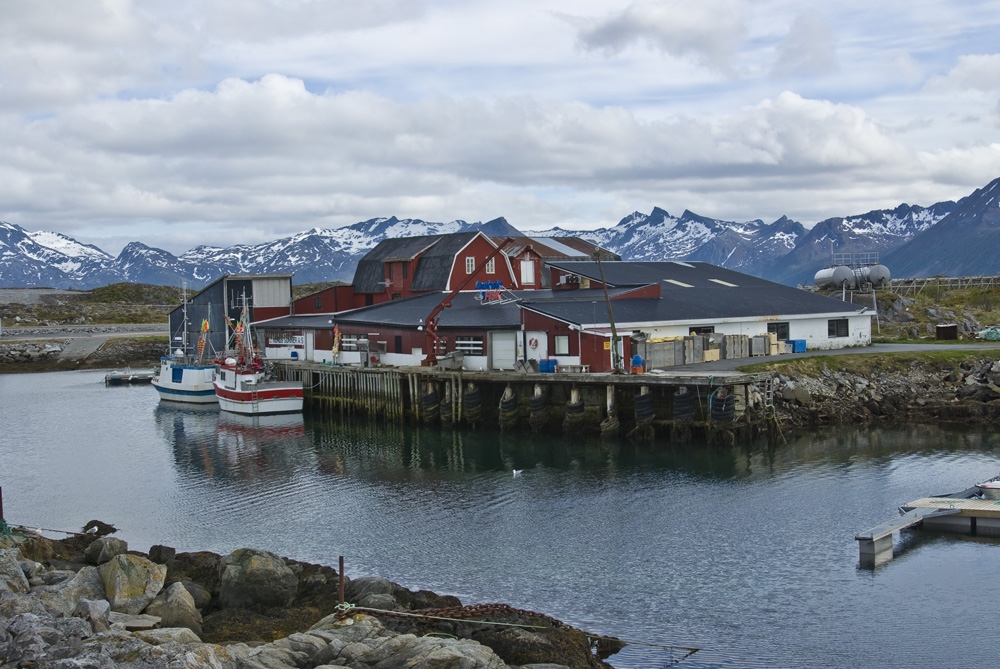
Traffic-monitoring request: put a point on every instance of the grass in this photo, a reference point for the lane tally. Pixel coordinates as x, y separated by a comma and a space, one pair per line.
866, 364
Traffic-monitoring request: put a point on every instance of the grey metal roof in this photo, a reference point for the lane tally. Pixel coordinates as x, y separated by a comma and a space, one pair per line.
701, 292
466, 312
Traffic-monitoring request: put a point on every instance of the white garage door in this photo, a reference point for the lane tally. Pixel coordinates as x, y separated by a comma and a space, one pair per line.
502, 350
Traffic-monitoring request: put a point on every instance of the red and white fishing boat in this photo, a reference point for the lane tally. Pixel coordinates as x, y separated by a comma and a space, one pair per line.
244, 383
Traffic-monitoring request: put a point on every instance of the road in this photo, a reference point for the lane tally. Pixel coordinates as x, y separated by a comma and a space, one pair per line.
83, 339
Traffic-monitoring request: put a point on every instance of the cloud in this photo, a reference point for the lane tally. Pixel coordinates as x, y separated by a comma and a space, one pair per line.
977, 72
808, 49
271, 153
709, 31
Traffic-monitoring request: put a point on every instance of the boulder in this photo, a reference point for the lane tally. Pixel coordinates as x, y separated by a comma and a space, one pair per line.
11, 575
176, 608
162, 554
255, 579
95, 612
61, 598
101, 550
131, 582
202, 597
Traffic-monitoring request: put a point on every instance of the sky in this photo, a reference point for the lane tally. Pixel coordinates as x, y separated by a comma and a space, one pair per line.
186, 122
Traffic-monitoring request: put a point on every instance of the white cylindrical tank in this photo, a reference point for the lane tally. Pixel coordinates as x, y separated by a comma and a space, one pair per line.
834, 277
879, 275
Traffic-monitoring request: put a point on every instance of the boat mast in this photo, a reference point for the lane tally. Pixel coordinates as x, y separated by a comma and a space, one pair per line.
184, 336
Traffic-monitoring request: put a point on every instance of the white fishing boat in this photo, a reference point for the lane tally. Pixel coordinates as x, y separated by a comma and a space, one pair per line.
244, 382
186, 375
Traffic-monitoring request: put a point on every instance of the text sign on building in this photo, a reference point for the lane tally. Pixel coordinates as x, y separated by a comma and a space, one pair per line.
490, 291
287, 340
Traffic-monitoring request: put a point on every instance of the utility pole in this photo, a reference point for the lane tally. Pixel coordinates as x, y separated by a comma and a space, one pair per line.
616, 361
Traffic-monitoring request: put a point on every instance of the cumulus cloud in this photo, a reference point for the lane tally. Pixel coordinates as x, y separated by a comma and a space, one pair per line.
709, 31
204, 121
809, 48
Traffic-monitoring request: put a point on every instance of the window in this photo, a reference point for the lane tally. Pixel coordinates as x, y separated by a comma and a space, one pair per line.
349, 343
491, 266
701, 329
561, 343
318, 303
395, 296
528, 272
837, 327
406, 266
469, 345
390, 270
399, 341
470, 264
780, 329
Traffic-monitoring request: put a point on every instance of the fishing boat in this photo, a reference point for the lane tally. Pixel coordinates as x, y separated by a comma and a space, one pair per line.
185, 375
244, 382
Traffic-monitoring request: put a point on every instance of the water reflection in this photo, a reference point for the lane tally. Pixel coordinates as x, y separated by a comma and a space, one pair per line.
221, 445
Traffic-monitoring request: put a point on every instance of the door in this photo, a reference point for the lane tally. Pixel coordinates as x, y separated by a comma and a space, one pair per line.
503, 351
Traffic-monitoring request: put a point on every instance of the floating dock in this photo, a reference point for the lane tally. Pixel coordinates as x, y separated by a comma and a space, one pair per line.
965, 512
723, 406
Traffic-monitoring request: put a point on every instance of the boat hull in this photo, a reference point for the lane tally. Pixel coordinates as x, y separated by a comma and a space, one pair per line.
268, 398
190, 384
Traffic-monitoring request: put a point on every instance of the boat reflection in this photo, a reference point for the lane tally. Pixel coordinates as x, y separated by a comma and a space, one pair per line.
221, 445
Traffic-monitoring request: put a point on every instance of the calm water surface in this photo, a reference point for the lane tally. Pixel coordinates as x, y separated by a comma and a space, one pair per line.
746, 553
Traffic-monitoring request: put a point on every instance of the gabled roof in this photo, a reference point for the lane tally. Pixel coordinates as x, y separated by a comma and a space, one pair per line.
566, 248
435, 256
435, 265
370, 272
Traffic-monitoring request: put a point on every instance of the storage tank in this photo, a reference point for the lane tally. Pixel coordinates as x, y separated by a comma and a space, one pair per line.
879, 275
834, 277
876, 275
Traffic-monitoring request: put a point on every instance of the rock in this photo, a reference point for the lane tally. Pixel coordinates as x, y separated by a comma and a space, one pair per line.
95, 612
103, 549
12, 577
131, 582
162, 554
254, 579
202, 597
797, 394
176, 608
129, 621
168, 635
62, 597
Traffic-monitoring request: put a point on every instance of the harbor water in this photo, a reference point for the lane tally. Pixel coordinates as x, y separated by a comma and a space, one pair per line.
746, 553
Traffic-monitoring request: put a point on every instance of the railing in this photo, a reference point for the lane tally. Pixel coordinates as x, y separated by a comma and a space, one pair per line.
914, 286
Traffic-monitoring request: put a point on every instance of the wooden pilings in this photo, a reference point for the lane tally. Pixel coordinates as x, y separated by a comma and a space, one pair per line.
540, 402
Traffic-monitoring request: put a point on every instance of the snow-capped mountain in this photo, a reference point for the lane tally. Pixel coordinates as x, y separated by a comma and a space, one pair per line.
945, 238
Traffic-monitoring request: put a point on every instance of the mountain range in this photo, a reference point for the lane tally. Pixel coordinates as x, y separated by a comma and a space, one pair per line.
948, 238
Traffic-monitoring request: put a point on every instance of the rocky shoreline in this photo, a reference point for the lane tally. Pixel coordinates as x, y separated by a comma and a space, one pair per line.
966, 392
88, 601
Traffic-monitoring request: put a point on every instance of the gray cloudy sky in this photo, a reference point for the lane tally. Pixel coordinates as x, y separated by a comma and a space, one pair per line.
186, 122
